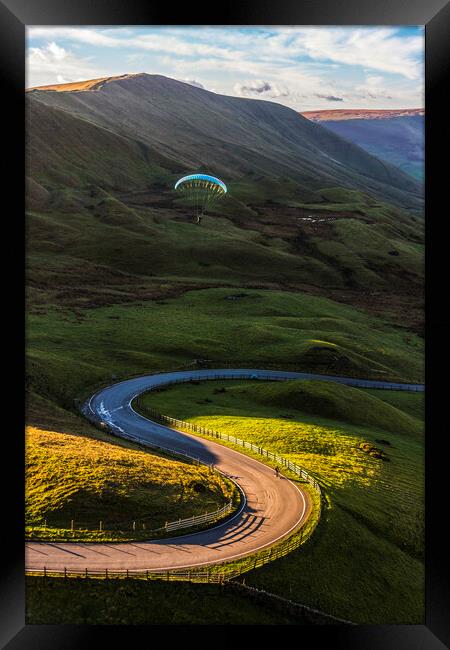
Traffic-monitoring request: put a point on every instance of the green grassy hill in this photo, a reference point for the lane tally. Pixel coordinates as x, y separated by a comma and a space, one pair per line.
365, 559
313, 261
70, 354
305, 210
124, 601
336, 402
88, 480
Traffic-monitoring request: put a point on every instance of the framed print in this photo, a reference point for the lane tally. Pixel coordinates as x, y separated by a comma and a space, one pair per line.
234, 326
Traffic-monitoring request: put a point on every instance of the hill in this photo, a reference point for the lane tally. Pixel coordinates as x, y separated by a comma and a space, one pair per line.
191, 127
102, 158
113, 482
109, 242
336, 402
372, 476
396, 136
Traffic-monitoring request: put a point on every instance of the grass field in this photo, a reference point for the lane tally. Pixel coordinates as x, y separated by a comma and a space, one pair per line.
365, 560
93, 247
136, 602
88, 480
69, 354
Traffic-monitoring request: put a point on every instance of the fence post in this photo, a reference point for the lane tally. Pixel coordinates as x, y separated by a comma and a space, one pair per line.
71, 525
100, 525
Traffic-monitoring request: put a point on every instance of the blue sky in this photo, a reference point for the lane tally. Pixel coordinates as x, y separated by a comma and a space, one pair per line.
305, 68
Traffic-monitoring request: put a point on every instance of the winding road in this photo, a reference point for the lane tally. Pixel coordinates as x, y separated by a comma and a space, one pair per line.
273, 507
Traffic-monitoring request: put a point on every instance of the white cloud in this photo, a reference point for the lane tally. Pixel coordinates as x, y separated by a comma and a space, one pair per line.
301, 67
376, 48
379, 48
152, 42
51, 64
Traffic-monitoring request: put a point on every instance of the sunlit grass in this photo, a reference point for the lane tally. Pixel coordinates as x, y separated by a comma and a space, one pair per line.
364, 562
331, 455
74, 477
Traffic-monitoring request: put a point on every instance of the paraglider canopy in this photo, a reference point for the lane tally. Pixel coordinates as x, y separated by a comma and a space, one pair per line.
201, 191
196, 179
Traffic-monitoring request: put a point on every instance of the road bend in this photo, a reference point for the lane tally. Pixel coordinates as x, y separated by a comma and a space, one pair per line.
271, 509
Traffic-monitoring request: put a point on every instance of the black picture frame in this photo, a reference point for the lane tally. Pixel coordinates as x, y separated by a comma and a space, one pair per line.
434, 15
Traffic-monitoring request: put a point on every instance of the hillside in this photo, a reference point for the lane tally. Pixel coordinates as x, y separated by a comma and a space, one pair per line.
190, 127
372, 524
112, 482
337, 402
395, 136
109, 243
105, 226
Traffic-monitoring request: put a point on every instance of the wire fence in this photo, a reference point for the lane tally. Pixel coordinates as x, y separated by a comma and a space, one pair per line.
227, 571
200, 519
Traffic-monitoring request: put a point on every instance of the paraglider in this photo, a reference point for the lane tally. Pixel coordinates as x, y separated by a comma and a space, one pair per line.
201, 191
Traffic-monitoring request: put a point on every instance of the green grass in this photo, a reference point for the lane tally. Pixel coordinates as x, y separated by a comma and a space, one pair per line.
96, 243
336, 402
69, 354
365, 559
412, 404
87, 480
79, 601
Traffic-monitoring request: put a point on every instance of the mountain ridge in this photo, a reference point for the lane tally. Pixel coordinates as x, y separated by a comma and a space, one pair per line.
254, 135
338, 114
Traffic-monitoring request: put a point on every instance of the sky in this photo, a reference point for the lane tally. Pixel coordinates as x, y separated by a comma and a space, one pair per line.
305, 68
